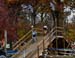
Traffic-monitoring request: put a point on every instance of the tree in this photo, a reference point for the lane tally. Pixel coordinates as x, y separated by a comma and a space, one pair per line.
7, 20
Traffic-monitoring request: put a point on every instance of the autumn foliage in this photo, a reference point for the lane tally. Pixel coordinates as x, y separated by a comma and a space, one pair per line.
7, 20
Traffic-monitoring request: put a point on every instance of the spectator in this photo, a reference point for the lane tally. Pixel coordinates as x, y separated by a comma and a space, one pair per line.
2, 45
45, 29
34, 34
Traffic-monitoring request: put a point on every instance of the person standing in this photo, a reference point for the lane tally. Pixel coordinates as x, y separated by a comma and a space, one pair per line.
34, 36
2, 46
45, 28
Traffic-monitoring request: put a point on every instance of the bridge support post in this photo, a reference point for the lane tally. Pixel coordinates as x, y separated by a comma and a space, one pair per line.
38, 51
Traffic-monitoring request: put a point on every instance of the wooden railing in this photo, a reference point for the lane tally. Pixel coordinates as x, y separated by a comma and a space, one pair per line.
21, 39
40, 44
22, 48
17, 45
39, 47
22, 42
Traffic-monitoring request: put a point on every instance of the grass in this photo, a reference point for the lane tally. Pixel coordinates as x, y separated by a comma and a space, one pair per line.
69, 56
